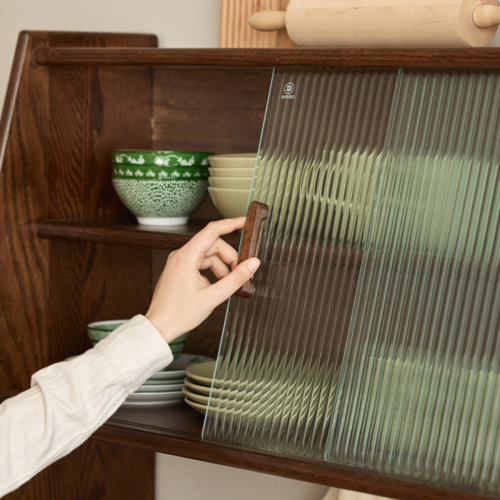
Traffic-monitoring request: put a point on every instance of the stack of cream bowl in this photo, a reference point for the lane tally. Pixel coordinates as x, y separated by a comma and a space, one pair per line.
161, 188
230, 182
197, 385
250, 393
225, 396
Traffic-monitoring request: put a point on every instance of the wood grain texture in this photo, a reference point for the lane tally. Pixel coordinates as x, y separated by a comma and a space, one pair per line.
252, 233
95, 470
219, 110
235, 31
177, 431
57, 132
386, 23
251, 58
124, 230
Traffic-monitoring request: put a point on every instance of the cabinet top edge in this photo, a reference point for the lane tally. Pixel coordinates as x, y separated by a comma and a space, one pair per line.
161, 57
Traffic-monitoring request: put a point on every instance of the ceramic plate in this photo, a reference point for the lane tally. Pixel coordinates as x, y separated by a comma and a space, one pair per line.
240, 160
150, 403
178, 368
199, 389
230, 182
198, 398
224, 403
199, 408
156, 396
231, 172
160, 388
202, 373
173, 381
235, 392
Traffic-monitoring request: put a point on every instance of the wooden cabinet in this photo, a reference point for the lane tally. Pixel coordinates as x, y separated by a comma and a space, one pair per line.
70, 253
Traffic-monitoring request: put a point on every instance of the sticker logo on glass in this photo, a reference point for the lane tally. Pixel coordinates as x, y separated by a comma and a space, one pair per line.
288, 90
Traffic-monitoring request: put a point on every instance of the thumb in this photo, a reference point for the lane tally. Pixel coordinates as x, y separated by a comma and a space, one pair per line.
224, 288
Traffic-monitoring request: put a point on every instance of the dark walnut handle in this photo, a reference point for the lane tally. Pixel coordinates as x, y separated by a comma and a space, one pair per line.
252, 232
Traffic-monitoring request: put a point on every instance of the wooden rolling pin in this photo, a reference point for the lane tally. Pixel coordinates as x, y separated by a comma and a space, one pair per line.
384, 23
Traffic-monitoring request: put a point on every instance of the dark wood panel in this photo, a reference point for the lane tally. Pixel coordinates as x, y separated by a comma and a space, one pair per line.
446, 58
23, 198
58, 127
209, 110
95, 470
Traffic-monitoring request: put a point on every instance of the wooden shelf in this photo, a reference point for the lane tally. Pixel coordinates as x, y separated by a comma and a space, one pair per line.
176, 430
155, 57
124, 230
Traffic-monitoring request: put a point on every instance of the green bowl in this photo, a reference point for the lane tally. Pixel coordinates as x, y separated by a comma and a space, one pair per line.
161, 158
161, 202
150, 172
99, 330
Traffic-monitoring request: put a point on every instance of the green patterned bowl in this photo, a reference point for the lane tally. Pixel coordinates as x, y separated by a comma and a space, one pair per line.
151, 172
99, 330
161, 158
161, 202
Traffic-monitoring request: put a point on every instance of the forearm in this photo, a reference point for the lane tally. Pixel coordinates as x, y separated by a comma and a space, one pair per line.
68, 401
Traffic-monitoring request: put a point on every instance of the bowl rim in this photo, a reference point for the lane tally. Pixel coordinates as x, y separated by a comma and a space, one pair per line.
235, 155
168, 179
230, 189
95, 324
132, 165
160, 151
228, 178
222, 169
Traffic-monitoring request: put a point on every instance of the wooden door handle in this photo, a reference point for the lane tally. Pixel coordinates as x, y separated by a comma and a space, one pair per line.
252, 232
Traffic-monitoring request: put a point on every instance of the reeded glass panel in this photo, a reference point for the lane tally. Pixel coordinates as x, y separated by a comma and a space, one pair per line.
420, 383
320, 155
372, 339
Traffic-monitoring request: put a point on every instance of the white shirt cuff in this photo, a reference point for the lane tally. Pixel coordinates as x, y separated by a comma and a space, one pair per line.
136, 350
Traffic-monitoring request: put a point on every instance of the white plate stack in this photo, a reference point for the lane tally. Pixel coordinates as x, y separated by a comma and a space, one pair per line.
164, 388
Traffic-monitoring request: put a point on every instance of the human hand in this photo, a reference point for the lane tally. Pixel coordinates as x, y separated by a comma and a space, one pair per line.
183, 298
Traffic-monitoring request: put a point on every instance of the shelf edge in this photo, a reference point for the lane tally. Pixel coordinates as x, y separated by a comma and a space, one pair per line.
76, 230
146, 57
313, 471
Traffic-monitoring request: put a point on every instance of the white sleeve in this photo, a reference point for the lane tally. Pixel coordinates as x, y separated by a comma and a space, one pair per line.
68, 401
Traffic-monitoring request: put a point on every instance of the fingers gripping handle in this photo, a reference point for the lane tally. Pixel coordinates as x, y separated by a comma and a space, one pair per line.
252, 232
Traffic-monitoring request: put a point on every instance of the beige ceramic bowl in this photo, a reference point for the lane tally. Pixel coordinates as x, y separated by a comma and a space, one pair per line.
193, 396
197, 406
231, 172
243, 160
231, 182
230, 202
203, 373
